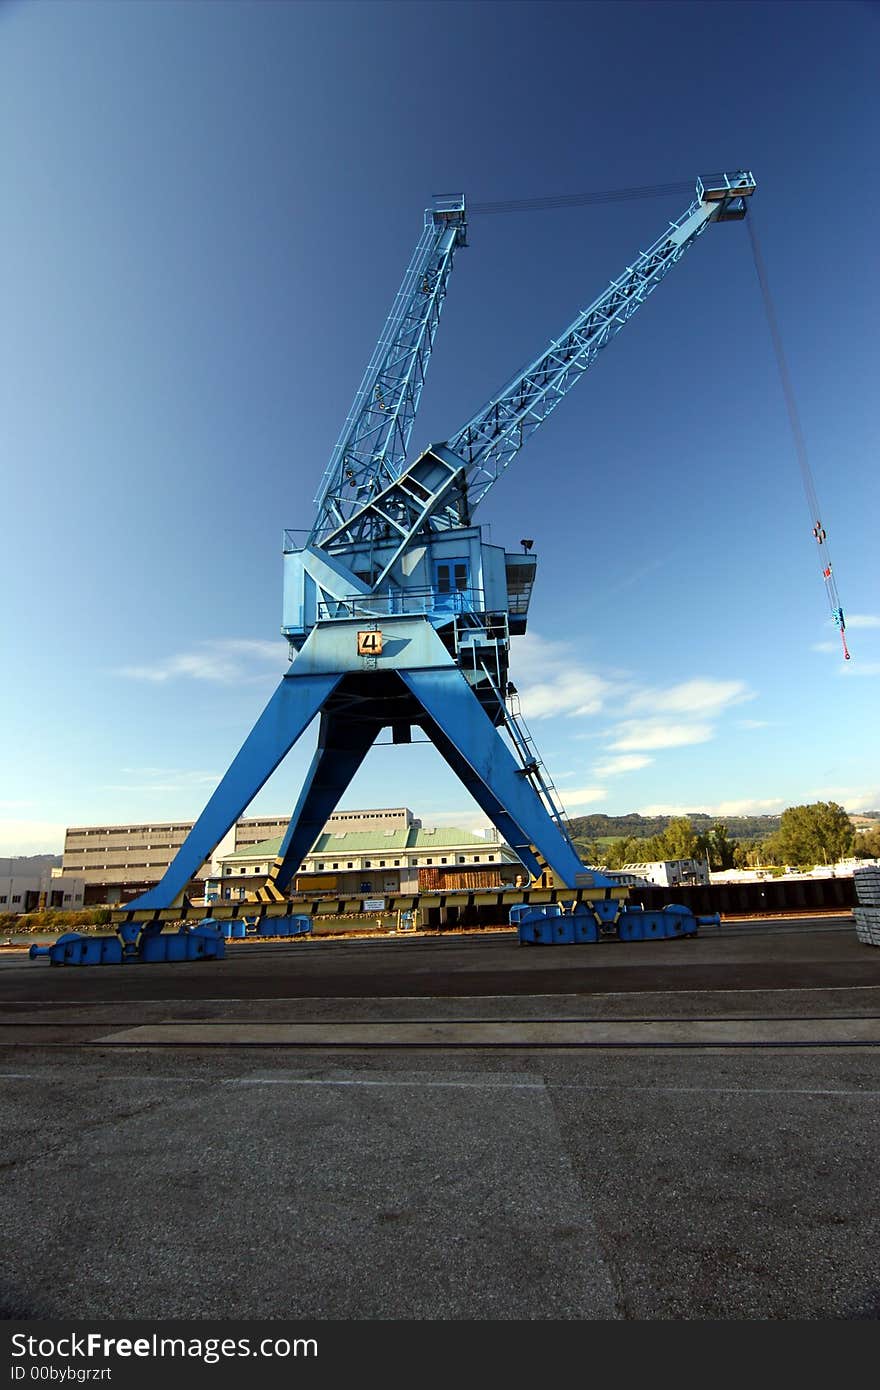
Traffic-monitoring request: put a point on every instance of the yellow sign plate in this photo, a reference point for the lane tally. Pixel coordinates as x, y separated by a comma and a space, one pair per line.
370, 643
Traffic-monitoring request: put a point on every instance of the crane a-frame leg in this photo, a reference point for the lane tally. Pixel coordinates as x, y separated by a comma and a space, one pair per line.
356, 701
290, 710
463, 733
343, 743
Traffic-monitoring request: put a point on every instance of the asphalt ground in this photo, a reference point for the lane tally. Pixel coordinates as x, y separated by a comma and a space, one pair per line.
448, 1129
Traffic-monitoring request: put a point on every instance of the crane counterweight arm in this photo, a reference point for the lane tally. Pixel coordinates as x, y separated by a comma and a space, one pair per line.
489, 442
371, 450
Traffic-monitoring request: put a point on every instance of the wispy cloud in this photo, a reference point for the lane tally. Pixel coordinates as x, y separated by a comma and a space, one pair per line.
753, 723
551, 682
700, 696
824, 646
626, 762
851, 798
162, 779
582, 796
472, 819
639, 734
571, 693
862, 620
747, 807
860, 668
31, 837
226, 662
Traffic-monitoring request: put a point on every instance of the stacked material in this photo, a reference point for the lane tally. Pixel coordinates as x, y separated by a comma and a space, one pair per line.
867, 914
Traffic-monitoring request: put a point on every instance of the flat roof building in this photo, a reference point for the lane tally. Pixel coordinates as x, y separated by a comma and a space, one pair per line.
23, 891
397, 854
118, 862
669, 873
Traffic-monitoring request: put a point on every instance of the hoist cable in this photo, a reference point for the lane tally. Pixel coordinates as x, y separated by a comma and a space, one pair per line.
576, 200
798, 436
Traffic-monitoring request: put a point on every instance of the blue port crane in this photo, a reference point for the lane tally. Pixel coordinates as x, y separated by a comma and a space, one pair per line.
396, 611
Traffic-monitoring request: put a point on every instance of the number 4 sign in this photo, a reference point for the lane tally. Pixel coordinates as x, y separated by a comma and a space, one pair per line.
369, 644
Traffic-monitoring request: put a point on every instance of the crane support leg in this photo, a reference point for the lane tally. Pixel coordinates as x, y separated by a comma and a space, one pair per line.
487, 767
485, 798
343, 743
290, 710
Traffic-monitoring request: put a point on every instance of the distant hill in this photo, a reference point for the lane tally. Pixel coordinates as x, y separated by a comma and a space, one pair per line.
600, 827
29, 863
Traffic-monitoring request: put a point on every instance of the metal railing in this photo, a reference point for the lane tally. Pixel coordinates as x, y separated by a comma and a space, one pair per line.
402, 603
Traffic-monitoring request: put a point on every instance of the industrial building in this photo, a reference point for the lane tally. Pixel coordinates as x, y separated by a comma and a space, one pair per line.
380, 847
29, 891
375, 853
117, 862
666, 873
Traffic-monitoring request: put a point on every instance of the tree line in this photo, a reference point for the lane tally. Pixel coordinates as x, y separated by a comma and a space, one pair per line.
805, 837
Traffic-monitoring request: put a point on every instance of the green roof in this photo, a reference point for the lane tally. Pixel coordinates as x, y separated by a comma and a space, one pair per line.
366, 841
266, 849
446, 839
357, 841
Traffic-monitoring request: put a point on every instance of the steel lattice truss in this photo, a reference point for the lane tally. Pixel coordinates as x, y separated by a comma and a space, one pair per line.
371, 449
491, 440
442, 488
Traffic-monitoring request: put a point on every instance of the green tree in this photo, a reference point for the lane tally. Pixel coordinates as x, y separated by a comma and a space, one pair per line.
627, 850
679, 840
867, 846
750, 854
717, 846
818, 833
589, 851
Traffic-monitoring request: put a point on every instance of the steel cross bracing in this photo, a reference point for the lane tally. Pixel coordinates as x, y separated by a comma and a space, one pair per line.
442, 488
371, 449
490, 441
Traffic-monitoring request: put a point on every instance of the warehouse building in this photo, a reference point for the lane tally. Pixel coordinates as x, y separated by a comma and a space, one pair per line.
393, 854
23, 890
375, 847
667, 873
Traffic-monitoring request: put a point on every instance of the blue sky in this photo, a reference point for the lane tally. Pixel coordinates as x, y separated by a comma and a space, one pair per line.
208, 210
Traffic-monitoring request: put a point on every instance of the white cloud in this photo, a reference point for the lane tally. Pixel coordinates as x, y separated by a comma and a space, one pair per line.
551, 682
225, 662
651, 733
572, 692
31, 837
746, 807
852, 798
472, 819
698, 696
825, 647
532, 654
162, 779
860, 668
862, 620
626, 762
753, 723
582, 796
